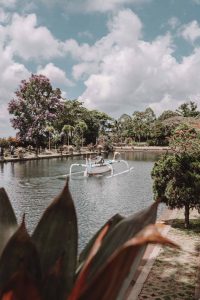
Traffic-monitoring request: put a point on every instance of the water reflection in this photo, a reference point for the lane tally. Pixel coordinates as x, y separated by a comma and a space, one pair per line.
32, 185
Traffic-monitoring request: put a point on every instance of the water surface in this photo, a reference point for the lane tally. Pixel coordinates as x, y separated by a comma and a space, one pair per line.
32, 185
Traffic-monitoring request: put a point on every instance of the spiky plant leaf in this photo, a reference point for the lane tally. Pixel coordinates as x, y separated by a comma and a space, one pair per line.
19, 254
120, 234
81, 280
109, 281
54, 283
21, 287
112, 223
56, 236
8, 221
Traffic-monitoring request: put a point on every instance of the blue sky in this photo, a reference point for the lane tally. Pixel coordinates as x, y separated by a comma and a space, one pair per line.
116, 56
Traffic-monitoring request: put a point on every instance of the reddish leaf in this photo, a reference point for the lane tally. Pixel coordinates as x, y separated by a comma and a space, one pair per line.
56, 236
19, 253
113, 279
121, 233
21, 287
8, 221
54, 283
112, 223
80, 282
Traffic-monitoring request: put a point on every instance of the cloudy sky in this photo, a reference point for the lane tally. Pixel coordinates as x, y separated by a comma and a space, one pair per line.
117, 56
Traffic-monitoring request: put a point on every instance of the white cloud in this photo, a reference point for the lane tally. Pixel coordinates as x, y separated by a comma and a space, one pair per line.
124, 30
174, 22
191, 31
8, 3
85, 34
4, 16
90, 6
22, 37
11, 73
5, 126
122, 72
55, 74
103, 6
29, 41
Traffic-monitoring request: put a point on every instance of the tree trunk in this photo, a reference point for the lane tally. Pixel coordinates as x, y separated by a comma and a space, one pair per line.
49, 143
37, 149
187, 215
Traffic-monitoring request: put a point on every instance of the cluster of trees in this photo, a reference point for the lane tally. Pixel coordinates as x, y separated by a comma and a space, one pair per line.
143, 126
6, 142
42, 117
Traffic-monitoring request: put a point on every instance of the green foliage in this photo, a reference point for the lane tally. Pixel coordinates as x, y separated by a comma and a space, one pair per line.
43, 266
177, 177
185, 139
167, 114
36, 104
188, 109
142, 123
74, 112
177, 181
159, 134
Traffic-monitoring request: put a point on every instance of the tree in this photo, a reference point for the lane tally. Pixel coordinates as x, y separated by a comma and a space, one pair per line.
167, 114
185, 139
188, 109
159, 134
56, 138
80, 128
67, 130
73, 111
142, 122
177, 176
97, 123
36, 105
50, 130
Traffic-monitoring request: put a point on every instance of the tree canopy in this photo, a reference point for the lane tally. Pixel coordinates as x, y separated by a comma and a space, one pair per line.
36, 105
177, 176
188, 109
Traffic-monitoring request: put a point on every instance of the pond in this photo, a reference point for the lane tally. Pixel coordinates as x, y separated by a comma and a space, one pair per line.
32, 185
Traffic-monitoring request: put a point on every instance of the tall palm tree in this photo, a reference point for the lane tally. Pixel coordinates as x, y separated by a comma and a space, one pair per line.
67, 129
50, 130
81, 128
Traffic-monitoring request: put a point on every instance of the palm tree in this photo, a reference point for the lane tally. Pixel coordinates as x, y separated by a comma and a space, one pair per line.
50, 130
81, 128
67, 129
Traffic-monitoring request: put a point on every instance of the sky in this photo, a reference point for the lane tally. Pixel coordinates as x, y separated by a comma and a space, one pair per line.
116, 56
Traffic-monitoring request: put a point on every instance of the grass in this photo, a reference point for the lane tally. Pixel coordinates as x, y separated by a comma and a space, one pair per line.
194, 228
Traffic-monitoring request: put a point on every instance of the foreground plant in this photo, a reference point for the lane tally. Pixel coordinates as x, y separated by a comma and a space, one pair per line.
45, 265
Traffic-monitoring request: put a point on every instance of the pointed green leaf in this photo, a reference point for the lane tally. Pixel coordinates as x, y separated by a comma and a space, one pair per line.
56, 235
19, 254
8, 221
112, 222
121, 233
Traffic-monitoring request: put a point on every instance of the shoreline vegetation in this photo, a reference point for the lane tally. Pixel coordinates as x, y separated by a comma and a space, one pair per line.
83, 152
